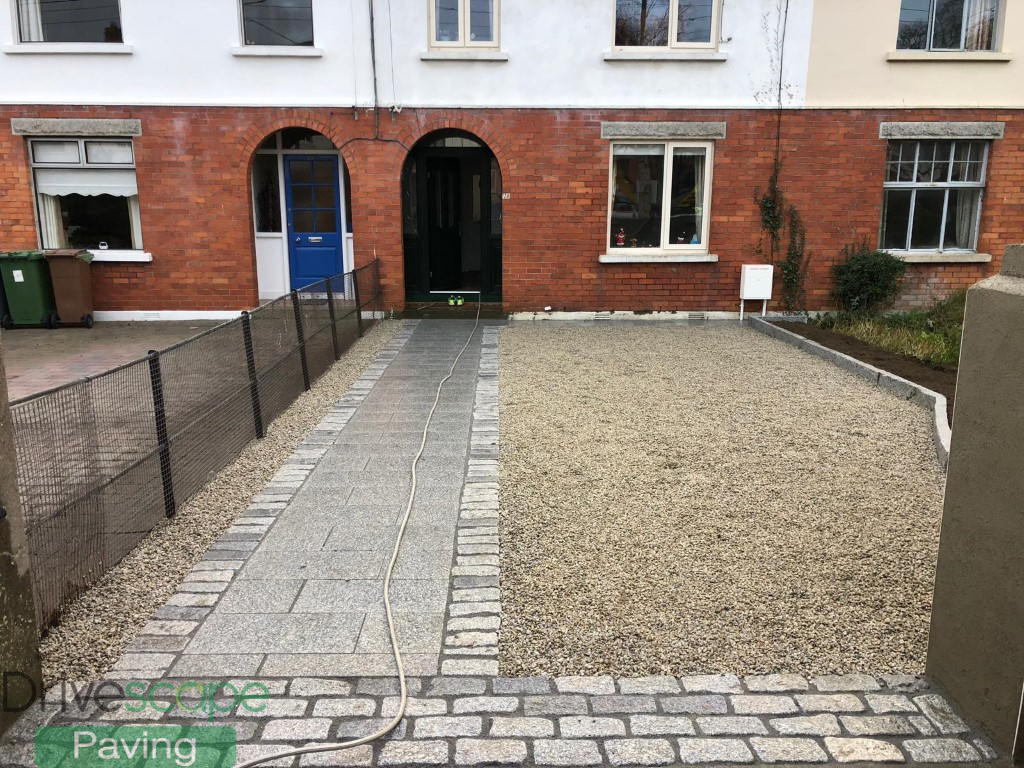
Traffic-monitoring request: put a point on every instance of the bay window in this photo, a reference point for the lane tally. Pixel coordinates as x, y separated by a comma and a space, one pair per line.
86, 194
668, 23
933, 194
69, 21
660, 196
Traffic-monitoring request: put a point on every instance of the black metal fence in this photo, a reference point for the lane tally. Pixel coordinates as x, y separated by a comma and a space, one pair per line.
103, 460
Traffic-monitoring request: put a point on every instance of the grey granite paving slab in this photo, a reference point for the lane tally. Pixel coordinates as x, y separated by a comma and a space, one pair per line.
277, 633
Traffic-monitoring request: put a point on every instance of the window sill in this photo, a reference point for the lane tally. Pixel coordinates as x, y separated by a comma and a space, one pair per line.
942, 257
657, 257
101, 49
463, 55
278, 52
136, 256
665, 56
962, 56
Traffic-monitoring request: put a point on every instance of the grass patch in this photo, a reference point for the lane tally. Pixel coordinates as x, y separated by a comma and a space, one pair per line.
932, 336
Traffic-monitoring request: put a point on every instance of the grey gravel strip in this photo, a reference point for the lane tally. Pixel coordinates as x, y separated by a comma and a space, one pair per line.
470, 720
908, 390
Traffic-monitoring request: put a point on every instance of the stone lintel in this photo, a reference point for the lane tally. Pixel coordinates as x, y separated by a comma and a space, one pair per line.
75, 126
663, 130
942, 129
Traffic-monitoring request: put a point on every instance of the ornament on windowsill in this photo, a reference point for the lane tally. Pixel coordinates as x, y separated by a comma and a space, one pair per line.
620, 239
632, 243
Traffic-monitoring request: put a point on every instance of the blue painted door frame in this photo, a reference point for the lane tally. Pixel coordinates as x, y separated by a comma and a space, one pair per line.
312, 197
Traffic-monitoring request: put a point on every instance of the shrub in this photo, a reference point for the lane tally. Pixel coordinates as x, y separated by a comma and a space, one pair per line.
866, 279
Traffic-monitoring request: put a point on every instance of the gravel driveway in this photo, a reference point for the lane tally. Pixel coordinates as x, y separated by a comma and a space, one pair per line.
698, 499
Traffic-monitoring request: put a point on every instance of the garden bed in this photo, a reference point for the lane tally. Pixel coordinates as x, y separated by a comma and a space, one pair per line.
938, 378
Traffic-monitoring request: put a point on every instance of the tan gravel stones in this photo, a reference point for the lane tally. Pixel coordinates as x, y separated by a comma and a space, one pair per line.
697, 498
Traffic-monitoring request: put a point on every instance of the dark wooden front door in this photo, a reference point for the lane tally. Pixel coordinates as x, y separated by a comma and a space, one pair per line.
444, 223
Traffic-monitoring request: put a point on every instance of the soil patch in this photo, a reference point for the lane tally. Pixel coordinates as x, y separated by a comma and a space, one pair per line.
938, 378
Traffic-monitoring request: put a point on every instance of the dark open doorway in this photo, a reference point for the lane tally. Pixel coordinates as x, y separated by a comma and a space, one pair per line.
451, 218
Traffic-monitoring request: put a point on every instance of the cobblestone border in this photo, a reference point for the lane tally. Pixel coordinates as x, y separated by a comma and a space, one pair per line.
154, 653
908, 390
474, 600
575, 721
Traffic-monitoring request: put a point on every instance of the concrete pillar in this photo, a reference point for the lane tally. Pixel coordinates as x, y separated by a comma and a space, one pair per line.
19, 641
976, 648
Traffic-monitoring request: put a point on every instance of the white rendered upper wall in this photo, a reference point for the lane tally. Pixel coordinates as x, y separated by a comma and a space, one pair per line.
185, 52
854, 61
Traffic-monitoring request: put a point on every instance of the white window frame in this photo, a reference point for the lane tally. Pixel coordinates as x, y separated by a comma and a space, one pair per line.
673, 28
269, 49
944, 185
115, 254
463, 42
701, 248
997, 33
89, 46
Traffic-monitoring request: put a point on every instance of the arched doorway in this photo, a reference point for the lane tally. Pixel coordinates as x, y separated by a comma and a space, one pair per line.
451, 217
301, 211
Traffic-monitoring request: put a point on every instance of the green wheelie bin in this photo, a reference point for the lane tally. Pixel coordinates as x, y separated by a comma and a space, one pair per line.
29, 291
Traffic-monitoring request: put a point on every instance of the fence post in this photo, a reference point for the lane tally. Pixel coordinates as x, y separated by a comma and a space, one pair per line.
330, 309
163, 444
359, 306
254, 384
301, 334
19, 655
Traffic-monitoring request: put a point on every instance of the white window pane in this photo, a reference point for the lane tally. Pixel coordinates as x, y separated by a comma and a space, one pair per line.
961, 218
641, 22
927, 226
446, 21
948, 24
913, 30
266, 193
639, 150
695, 17
55, 152
481, 21
70, 21
933, 161
686, 206
981, 25
279, 22
119, 152
637, 189
896, 218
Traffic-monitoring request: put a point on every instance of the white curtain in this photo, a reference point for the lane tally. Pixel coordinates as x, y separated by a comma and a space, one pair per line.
965, 216
698, 196
51, 225
136, 218
119, 182
30, 21
981, 23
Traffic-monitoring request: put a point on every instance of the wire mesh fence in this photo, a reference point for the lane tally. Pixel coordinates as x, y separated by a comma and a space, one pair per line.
104, 460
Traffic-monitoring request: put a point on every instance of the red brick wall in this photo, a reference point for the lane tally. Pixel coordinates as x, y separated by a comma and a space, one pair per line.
192, 168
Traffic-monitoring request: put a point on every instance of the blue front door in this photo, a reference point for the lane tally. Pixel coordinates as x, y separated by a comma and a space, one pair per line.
313, 196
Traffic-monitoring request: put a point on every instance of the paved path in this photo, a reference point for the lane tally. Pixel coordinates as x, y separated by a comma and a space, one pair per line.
309, 597
38, 359
291, 597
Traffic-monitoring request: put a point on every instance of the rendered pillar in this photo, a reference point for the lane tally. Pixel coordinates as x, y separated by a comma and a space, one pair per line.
19, 654
976, 647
